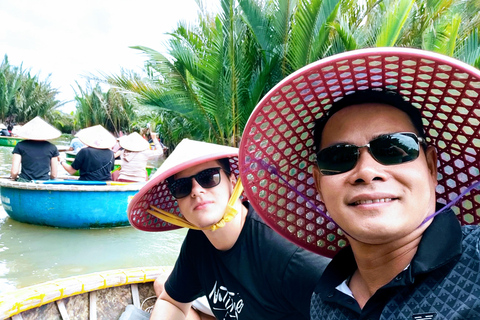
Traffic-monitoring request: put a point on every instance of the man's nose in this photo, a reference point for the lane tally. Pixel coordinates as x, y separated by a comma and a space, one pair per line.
367, 169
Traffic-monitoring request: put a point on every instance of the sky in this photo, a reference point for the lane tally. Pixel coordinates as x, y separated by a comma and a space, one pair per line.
65, 41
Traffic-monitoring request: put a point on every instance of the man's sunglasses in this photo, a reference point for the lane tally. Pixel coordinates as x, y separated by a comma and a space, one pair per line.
387, 149
207, 178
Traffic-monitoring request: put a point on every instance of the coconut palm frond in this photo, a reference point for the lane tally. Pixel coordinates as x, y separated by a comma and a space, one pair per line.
469, 50
346, 36
394, 21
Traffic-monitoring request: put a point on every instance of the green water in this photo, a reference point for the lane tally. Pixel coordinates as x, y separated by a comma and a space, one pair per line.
32, 254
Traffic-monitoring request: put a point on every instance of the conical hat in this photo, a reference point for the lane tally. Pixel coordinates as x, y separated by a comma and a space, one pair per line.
276, 151
188, 153
97, 137
134, 142
38, 129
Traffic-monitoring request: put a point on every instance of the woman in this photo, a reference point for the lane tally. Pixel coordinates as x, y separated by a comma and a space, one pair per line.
36, 157
135, 154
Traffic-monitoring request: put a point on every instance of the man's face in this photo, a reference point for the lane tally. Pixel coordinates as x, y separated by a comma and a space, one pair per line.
205, 206
376, 203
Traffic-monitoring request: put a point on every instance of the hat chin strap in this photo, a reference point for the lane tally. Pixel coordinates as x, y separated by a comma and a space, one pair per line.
233, 208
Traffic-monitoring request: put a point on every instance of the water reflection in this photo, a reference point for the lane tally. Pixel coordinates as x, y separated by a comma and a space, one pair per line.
32, 254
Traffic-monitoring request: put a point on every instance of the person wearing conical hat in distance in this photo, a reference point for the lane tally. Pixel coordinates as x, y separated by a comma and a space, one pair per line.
135, 155
35, 158
389, 137
96, 161
4, 130
243, 268
75, 145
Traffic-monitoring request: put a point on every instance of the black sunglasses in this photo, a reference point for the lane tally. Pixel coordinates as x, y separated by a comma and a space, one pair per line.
207, 178
387, 149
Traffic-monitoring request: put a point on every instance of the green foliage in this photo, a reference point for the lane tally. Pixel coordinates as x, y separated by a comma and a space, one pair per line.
215, 71
113, 109
23, 96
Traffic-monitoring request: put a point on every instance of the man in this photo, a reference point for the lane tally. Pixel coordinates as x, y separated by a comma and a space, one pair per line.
245, 270
75, 145
376, 174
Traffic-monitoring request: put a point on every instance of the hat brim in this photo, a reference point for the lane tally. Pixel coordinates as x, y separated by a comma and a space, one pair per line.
97, 137
276, 155
188, 153
37, 129
134, 142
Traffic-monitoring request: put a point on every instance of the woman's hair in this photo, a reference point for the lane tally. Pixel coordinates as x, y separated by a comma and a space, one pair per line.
225, 164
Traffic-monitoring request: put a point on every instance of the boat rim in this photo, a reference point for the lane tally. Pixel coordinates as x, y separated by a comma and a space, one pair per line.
20, 300
8, 183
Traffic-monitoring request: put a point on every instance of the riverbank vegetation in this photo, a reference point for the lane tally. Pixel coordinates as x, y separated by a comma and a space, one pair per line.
24, 96
215, 71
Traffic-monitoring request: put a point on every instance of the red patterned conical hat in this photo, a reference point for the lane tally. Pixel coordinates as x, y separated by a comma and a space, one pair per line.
276, 156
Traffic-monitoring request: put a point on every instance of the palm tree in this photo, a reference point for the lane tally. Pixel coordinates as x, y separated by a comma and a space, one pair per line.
216, 71
442, 26
111, 109
23, 96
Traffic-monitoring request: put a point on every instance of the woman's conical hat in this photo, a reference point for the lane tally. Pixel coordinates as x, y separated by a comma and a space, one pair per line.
134, 142
97, 137
38, 129
188, 153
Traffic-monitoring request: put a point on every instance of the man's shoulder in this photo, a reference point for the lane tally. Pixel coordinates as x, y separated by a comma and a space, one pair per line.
471, 234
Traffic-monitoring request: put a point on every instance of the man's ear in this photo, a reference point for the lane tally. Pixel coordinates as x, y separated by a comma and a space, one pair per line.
431, 158
316, 177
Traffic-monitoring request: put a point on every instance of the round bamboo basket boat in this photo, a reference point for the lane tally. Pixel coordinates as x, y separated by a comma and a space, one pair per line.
101, 295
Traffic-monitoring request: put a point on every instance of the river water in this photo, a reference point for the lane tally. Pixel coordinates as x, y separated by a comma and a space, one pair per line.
31, 254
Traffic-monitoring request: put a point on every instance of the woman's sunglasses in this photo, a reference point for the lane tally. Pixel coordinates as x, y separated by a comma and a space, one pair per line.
207, 178
387, 149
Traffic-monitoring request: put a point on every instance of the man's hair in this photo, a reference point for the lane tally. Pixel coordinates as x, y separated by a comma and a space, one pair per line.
387, 97
224, 164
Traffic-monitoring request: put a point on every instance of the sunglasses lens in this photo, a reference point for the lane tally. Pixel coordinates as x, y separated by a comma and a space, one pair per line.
208, 178
395, 148
337, 159
181, 188
387, 149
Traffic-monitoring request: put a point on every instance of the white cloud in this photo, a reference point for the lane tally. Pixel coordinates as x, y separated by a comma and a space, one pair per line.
72, 39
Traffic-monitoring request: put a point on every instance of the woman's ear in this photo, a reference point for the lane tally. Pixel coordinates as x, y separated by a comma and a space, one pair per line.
233, 180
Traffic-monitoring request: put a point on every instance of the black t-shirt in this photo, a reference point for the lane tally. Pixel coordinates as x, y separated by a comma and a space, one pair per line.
263, 276
94, 164
36, 157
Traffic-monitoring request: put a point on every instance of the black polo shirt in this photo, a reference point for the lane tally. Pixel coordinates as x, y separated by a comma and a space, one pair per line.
441, 282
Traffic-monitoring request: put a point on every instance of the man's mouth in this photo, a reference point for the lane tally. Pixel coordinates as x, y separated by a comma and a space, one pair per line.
370, 201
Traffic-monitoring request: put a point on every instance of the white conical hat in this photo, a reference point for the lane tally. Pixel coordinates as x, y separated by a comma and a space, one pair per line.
97, 137
134, 142
188, 153
38, 129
